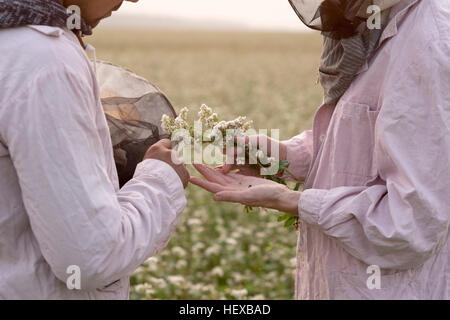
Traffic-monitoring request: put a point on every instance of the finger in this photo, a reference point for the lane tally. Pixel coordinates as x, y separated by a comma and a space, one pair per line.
207, 185
242, 140
226, 168
250, 172
251, 141
166, 143
232, 153
210, 173
243, 170
229, 161
184, 174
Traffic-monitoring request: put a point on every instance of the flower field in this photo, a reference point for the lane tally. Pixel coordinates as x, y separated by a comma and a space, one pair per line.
218, 251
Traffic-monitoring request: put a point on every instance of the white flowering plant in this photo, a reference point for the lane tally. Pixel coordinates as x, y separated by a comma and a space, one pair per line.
230, 134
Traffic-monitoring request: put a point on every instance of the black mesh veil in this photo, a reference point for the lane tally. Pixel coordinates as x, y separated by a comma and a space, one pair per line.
348, 39
133, 109
336, 18
308, 11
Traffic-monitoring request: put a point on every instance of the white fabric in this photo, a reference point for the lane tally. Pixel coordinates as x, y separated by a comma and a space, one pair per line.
60, 204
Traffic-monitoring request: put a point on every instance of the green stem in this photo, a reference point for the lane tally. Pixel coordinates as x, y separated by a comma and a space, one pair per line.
292, 175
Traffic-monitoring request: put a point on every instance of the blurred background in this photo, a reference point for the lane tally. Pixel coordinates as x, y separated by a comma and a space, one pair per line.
209, 14
251, 58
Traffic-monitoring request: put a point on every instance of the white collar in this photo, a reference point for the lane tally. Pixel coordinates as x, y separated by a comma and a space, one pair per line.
397, 14
48, 30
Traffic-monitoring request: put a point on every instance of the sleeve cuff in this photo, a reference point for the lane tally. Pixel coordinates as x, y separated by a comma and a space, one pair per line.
298, 153
310, 205
164, 172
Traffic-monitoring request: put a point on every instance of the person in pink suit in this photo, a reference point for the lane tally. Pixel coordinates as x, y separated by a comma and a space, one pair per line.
376, 163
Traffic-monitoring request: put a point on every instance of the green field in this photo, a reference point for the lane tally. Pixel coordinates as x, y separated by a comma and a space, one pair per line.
218, 251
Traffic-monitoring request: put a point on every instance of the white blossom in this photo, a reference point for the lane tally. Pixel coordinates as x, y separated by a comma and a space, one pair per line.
204, 113
217, 271
175, 280
179, 251
184, 113
166, 123
181, 264
239, 294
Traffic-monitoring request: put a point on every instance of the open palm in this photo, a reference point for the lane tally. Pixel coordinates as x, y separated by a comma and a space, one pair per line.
247, 190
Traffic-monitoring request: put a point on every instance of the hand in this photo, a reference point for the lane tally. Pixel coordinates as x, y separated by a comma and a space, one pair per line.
162, 150
247, 190
256, 141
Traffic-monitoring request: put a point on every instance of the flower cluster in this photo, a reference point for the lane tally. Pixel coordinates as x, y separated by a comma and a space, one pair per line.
170, 125
212, 127
208, 119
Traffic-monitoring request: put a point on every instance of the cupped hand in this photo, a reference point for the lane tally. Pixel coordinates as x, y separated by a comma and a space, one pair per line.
247, 190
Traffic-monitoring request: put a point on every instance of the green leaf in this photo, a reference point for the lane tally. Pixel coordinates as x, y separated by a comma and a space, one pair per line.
283, 217
297, 186
269, 246
290, 221
277, 179
284, 164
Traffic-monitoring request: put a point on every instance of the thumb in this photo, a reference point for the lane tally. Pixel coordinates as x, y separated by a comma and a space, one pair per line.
166, 143
226, 168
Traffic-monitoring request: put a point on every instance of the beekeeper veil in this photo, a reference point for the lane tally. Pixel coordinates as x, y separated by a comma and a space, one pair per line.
348, 40
133, 108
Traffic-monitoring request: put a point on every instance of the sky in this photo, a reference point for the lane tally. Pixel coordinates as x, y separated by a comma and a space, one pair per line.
255, 14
